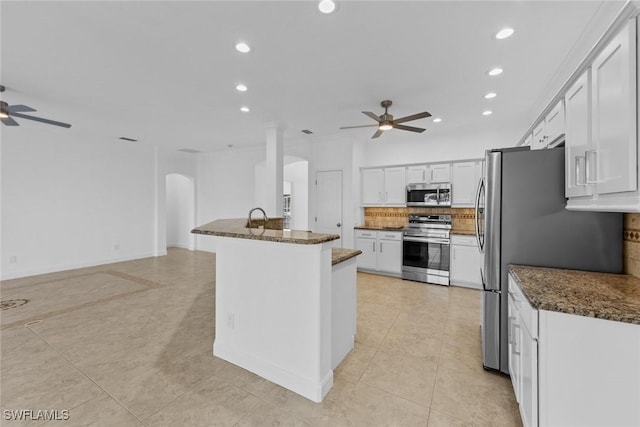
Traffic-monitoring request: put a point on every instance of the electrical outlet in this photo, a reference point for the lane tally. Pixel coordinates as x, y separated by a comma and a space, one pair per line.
13, 259
231, 320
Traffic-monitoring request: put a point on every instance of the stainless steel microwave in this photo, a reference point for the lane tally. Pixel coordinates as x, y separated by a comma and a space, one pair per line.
429, 195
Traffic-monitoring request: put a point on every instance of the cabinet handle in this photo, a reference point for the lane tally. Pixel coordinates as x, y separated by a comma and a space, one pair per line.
588, 155
380, 247
374, 246
581, 177
516, 350
424, 175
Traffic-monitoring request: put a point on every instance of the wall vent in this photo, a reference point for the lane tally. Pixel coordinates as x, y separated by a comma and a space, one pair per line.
124, 138
188, 150
307, 131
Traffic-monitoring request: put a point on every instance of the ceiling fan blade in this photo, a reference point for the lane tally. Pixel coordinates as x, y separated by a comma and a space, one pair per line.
19, 109
372, 115
412, 117
377, 134
40, 119
409, 128
8, 121
362, 126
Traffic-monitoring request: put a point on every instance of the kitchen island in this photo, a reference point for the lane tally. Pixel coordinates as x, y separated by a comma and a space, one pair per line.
285, 303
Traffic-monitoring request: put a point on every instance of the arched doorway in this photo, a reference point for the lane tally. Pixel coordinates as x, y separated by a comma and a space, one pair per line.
180, 210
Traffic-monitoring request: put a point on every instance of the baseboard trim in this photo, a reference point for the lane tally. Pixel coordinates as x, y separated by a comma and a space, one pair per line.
56, 268
315, 391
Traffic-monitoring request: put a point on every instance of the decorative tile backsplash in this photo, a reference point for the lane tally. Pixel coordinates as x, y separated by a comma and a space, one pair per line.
632, 244
462, 219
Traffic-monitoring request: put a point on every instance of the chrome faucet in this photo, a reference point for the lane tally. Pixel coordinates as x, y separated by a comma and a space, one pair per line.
264, 214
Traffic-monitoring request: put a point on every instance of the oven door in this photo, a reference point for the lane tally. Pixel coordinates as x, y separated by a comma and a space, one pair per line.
426, 253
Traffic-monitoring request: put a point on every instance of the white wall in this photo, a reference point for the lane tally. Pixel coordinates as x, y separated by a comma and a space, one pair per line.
69, 202
179, 211
225, 187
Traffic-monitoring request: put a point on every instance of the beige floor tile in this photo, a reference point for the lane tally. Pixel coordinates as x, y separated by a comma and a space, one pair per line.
438, 419
35, 376
213, 401
101, 411
485, 400
412, 341
265, 414
356, 362
405, 376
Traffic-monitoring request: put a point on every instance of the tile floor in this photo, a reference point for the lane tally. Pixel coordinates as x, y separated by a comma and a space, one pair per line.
130, 344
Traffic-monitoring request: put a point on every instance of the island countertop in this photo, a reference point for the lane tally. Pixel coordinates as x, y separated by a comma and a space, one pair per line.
236, 227
600, 295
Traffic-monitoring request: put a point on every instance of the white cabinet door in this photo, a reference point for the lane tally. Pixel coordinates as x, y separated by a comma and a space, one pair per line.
578, 136
390, 255
372, 186
439, 173
367, 259
528, 356
528, 140
464, 183
614, 115
416, 174
555, 123
466, 262
513, 326
394, 186
539, 141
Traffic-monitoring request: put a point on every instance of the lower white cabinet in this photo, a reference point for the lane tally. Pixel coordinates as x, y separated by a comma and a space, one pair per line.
381, 251
466, 261
570, 370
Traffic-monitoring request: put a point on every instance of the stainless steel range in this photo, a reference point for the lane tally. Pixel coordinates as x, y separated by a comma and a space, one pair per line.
425, 249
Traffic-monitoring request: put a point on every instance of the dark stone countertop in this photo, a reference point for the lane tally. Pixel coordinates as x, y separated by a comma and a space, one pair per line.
584, 293
236, 227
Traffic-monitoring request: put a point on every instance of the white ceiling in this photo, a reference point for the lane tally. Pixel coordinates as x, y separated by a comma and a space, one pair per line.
165, 72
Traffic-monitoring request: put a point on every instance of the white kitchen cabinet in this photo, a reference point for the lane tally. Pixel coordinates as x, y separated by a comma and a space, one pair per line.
570, 370
372, 183
381, 251
438, 173
602, 158
466, 261
549, 130
383, 186
416, 174
390, 252
366, 241
394, 186
464, 183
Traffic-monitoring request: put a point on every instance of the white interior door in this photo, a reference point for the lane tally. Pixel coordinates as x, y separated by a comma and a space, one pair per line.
329, 204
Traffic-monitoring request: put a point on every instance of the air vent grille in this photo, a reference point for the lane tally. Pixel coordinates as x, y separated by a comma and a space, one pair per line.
124, 138
307, 131
188, 150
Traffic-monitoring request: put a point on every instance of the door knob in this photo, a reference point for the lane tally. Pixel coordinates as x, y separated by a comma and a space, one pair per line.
338, 225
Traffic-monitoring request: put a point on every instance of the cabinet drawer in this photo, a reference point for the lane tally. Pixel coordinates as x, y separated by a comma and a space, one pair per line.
389, 235
459, 239
367, 234
528, 314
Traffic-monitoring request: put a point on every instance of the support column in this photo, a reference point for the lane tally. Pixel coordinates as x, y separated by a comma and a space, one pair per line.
275, 164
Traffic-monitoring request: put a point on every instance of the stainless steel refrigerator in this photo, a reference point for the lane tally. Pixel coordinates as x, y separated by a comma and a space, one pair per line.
521, 219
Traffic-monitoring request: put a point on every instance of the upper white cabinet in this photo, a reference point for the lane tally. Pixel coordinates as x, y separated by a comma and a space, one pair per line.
550, 129
416, 174
528, 141
383, 186
372, 185
439, 173
464, 183
601, 139
394, 186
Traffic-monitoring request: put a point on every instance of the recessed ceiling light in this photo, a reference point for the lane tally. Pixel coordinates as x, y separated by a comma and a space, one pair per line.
490, 95
437, 120
243, 47
241, 88
495, 71
504, 33
230, 145
487, 113
245, 109
326, 6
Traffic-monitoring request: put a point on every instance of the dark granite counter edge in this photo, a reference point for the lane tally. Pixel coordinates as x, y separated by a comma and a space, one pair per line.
571, 307
339, 255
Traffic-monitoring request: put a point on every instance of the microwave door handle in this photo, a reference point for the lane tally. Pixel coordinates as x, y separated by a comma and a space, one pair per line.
438, 195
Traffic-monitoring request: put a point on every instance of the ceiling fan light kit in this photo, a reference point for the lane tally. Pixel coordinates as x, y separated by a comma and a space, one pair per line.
386, 121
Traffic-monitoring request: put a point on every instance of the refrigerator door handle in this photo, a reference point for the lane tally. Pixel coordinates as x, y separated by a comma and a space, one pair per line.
477, 228
484, 287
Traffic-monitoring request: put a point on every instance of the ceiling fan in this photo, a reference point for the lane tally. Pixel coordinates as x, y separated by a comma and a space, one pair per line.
386, 121
7, 112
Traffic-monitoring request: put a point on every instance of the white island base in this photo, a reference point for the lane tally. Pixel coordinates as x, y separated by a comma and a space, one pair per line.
274, 311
